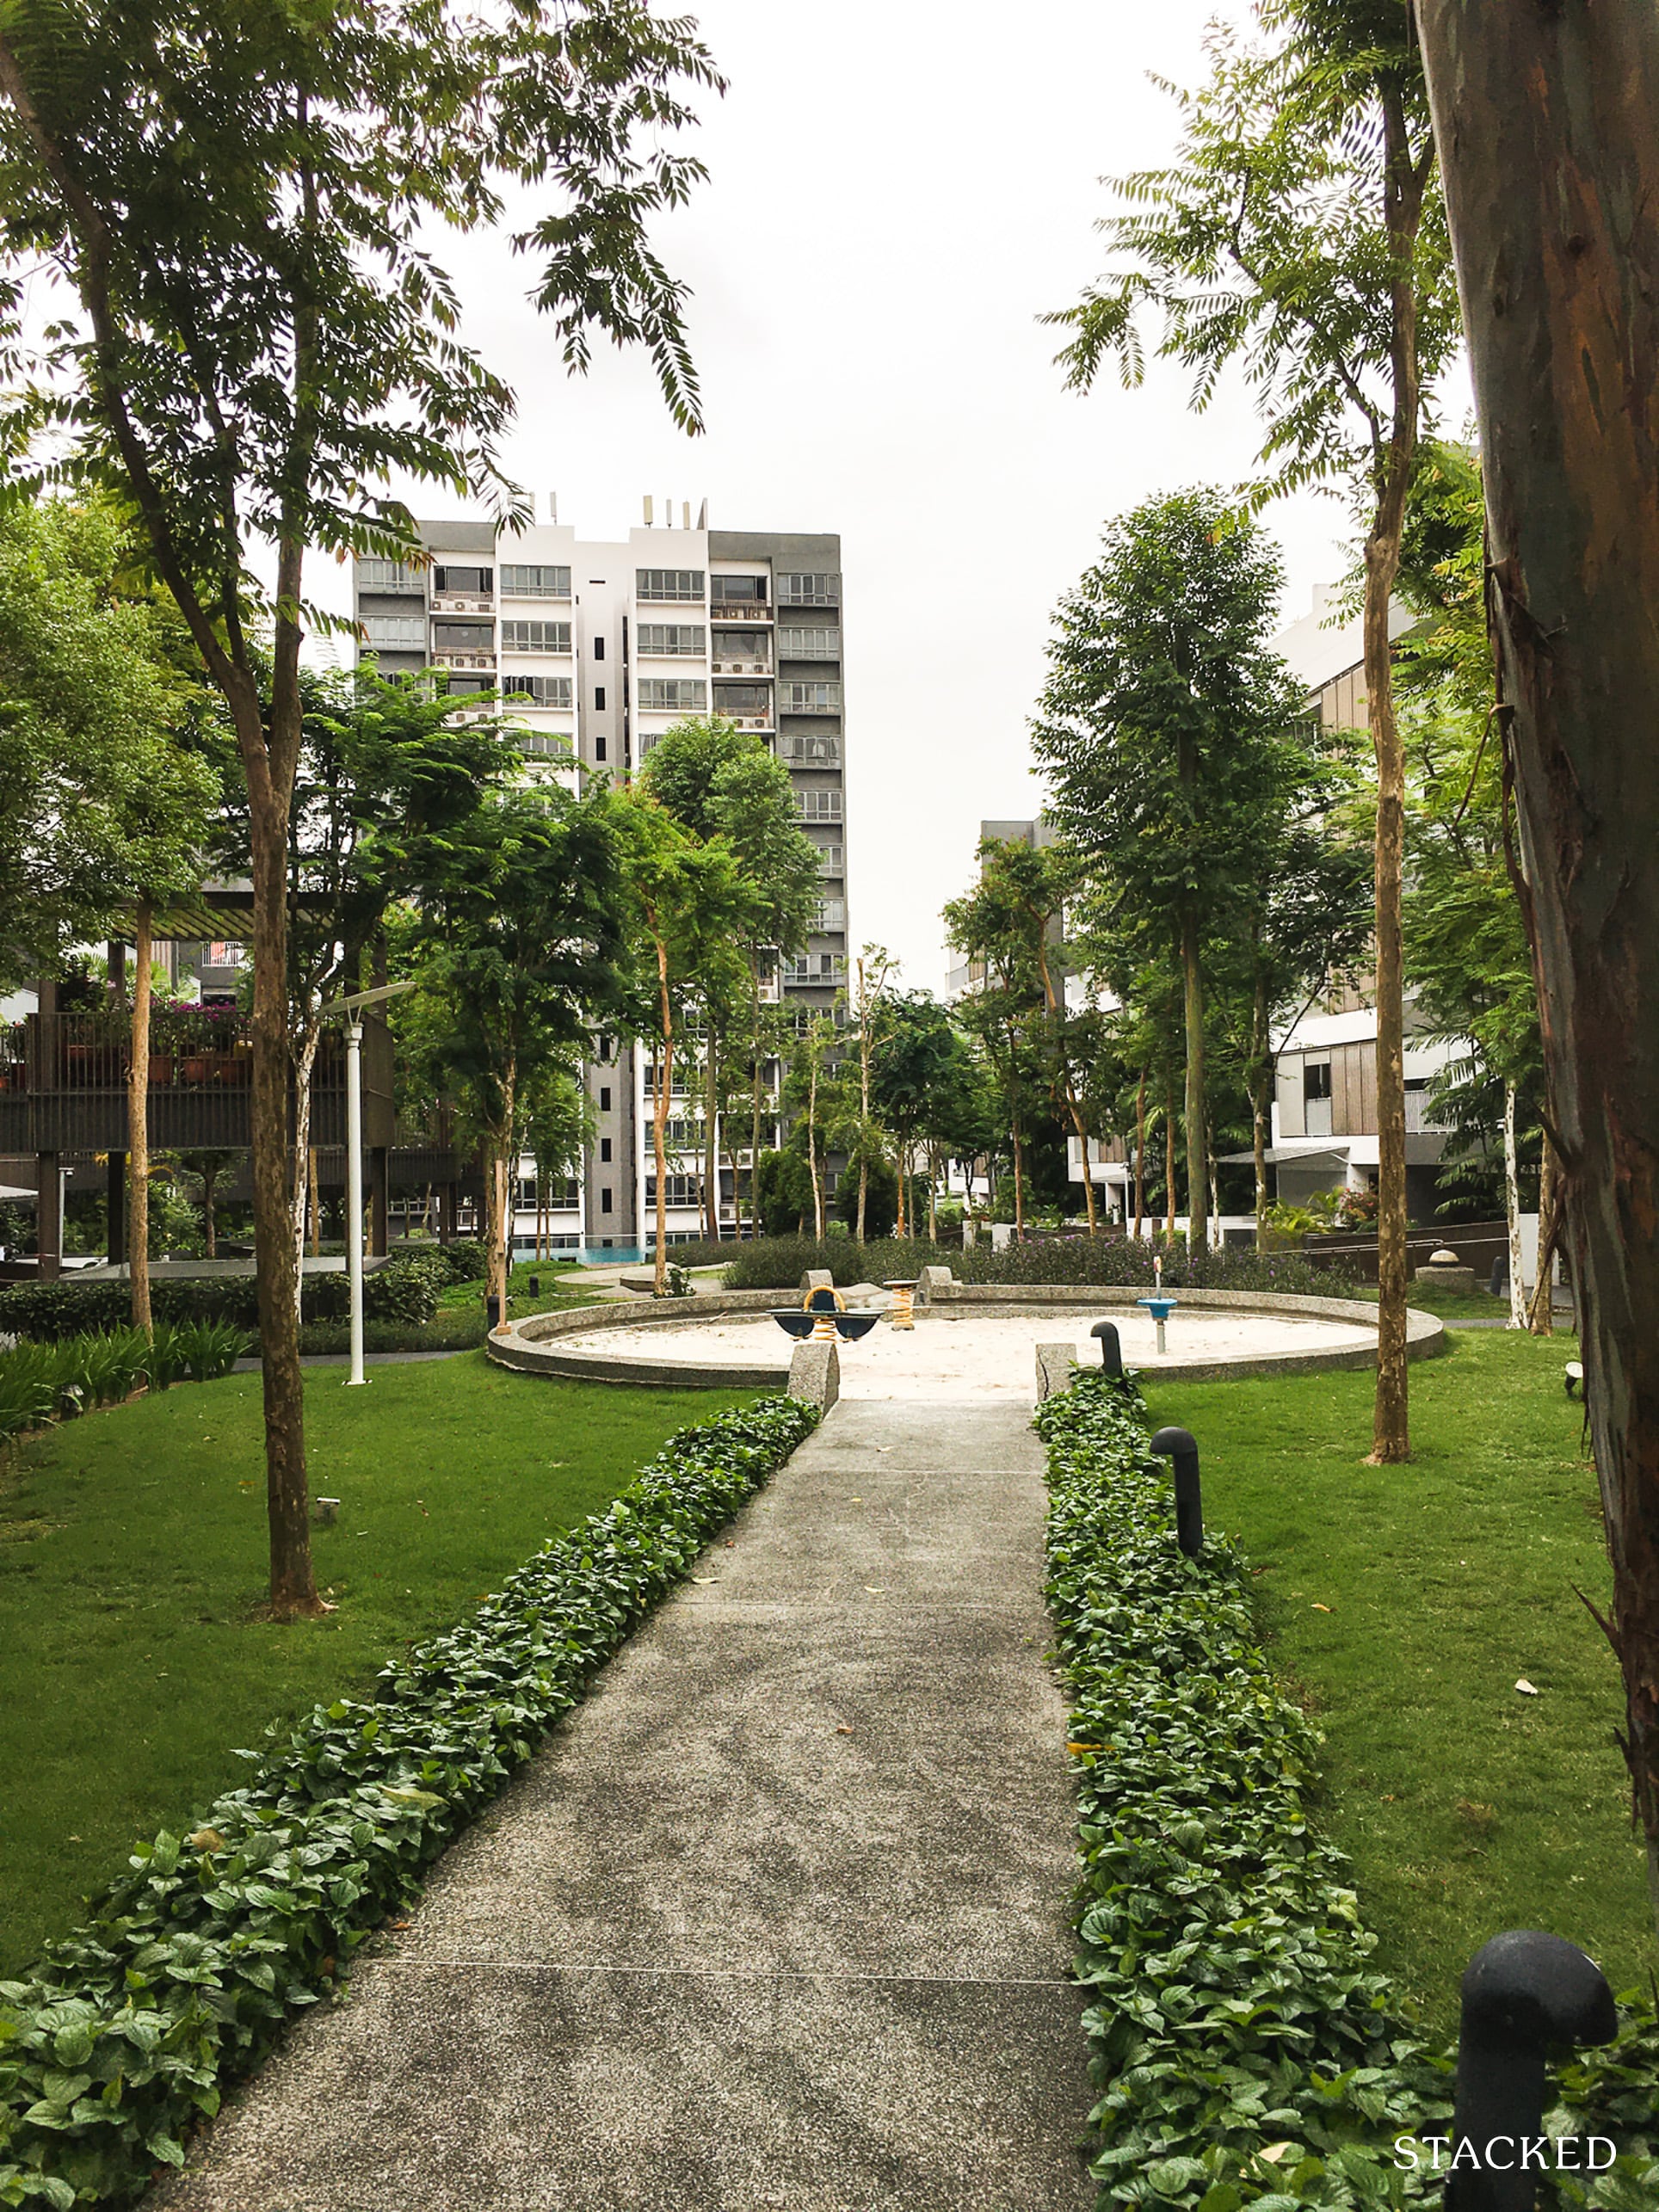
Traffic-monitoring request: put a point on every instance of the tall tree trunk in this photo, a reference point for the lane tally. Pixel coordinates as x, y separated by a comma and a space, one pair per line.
864, 1104
209, 1222
137, 1125
812, 1144
1019, 1185
755, 1127
305, 1154
1511, 1210
1198, 1116
1547, 119
500, 1209
933, 1196
665, 1088
1403, 193
1261, 1104
1170, 1160
1540, 1316
711, 1161
1140, 1155
294, 1588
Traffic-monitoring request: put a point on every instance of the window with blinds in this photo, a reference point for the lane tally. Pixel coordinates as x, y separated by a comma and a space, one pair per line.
672, 695
527, 580
668, 583
535, 637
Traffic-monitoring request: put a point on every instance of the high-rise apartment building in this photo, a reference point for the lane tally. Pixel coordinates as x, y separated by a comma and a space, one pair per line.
602, 647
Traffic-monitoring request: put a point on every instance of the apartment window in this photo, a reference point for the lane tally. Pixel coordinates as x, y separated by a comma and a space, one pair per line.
818, 805
605, 1205
525, 580
599, 649
599, 749
604, 1098
809, 699
742, 699
464, 636
811, 751
830, 859
405, 632
672, 695
457, 687
668, 583
545, 691
535, 637
678, 1191
1315, 1097
464, 583
823, 589
604, 1148
832, 914
542, 744
688, 638
809, 644
734, 591
599, 699
387, 575
744, 645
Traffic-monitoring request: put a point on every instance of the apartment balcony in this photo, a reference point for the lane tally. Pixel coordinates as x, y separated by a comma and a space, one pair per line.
63, 1083
820, 968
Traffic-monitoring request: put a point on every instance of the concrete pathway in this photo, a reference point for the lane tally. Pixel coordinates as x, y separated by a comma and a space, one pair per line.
777, 1919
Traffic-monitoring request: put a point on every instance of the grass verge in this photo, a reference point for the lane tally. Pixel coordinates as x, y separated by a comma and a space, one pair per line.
132, 1567
1404, 1603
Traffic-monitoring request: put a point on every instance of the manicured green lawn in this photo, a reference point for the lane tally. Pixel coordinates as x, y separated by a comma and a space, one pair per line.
133, 1566
1467, 1806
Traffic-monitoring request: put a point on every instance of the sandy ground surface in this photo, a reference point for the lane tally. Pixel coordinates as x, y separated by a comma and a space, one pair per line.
990, 1356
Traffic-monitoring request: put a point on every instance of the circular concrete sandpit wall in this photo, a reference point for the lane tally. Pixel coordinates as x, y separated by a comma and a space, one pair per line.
972, 1339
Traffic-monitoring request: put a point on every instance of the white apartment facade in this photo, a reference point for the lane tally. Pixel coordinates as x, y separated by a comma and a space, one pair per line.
602, 645
1324, 1108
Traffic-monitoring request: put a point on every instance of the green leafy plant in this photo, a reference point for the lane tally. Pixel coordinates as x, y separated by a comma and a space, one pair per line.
1246, 2049
122, 2039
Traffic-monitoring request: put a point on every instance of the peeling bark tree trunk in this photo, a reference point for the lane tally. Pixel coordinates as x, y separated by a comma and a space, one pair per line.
1547, 119
1511, 1210
138, 1126
812, 1145
1540, 1315
1402, 200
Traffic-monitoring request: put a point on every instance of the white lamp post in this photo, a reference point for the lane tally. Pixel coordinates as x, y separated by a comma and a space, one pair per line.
352, 1008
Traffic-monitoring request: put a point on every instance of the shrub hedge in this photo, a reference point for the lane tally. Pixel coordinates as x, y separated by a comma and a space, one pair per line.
124, 2036
405, 1288
778, 1262
1246, 2049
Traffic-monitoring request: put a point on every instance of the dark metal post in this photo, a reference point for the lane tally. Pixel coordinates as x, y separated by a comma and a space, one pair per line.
1178, 1445
1522, 1993
1111, 1347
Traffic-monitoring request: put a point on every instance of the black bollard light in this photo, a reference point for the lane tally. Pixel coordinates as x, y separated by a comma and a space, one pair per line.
1178, 1444
1111, 1348
1522, 1994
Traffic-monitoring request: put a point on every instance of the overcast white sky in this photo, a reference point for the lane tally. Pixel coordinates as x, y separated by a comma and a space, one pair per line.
898, 188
